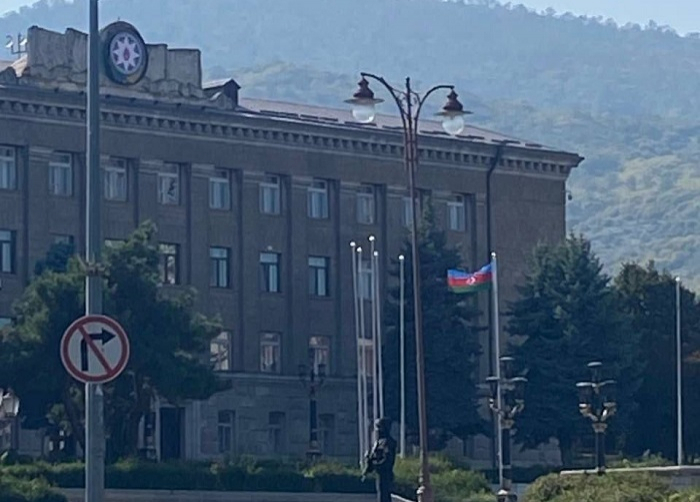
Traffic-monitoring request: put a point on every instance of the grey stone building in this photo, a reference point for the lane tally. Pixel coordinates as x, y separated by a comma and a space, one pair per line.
256, 203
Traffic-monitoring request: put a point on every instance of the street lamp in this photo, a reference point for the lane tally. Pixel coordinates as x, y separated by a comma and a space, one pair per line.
410, 105
597, 402
9, 409
512, 401
312, 377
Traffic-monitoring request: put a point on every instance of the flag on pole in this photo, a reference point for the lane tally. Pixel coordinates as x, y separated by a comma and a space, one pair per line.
463, 282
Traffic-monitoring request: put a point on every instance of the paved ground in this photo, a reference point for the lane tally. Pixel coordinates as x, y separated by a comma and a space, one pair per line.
187, 496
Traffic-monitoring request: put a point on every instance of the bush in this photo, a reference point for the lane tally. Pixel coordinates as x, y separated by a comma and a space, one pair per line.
692, 495
21, 490
646, 460
613, 487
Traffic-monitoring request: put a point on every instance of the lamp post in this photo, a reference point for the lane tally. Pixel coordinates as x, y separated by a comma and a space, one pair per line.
512, 402
410, 104
9, 409
597, 402
312, 377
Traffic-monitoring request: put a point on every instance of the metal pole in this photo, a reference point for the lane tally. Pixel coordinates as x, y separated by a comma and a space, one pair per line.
402, 352
94, 408
679, 373
360, 408
497, 364
372, 296
365, 403
380, 359
599, 429
507, 483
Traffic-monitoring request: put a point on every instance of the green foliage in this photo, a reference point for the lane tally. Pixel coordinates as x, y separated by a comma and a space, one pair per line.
450, 342
591, 488
646, 460
27, 490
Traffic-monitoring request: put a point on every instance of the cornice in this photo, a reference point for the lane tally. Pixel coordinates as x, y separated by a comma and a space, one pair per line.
249, 128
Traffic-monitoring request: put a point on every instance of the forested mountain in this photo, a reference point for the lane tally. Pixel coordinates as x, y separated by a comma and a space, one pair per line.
624, 97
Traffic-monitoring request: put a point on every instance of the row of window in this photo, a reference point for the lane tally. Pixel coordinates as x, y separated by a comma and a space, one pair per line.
169, 187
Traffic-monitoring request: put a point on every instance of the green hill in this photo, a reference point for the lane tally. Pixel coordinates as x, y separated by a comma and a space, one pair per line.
624, 97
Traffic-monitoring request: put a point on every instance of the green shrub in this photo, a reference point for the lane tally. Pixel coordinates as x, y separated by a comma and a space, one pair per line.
22, 490
692, 495
646, 460
613, 487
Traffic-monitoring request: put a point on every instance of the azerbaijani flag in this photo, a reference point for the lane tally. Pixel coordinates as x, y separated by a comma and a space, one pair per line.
464, 282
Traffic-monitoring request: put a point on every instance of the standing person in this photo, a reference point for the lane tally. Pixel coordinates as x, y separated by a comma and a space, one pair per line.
381, 459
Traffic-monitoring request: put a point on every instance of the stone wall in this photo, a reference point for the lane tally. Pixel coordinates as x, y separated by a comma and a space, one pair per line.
678, 477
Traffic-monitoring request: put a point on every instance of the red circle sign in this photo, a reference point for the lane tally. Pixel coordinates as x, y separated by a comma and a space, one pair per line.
95, 349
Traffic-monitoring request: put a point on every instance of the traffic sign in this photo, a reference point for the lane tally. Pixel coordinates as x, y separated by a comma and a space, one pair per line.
95, 349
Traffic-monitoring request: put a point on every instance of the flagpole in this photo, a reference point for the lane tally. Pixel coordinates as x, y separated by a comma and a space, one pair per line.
375, 380
356, 310
363, 357
679, 369
497, 352
402, 351
380, 359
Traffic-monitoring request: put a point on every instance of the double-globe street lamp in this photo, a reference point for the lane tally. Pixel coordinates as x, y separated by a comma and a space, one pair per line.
410, 104
9, 410
597, 402
511, 389
312, 377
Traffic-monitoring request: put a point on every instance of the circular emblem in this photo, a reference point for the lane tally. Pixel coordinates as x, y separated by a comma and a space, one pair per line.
126, 54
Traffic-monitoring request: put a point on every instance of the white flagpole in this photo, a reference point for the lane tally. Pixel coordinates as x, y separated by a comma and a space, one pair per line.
402, 350
380, 359
372, 295
679, 372
497, 353
360, 411
363, 362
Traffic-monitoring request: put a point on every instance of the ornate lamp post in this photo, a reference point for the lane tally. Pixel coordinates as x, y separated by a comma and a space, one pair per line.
410, 105
9, 409
512, 389
312, 377
597, 402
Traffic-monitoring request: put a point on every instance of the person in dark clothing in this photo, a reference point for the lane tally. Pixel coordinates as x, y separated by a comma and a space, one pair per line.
381, 459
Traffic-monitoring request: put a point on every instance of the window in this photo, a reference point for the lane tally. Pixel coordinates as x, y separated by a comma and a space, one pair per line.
318, 276
276, 426
220, 352
8, 168
63, 239
368, 351
169, 184
326, 433
318, 199
115, 180
219, 260
220, 191
407, 214
456, 213
270, 353
226, 431
169, 263
366, 286
365, 205
7, 251
270, 272
270, 195
61, 174
320, 347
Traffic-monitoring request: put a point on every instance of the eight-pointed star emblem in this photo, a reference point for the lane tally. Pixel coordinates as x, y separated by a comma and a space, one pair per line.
126, 52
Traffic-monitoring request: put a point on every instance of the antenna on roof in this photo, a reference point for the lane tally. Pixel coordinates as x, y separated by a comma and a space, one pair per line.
16, 46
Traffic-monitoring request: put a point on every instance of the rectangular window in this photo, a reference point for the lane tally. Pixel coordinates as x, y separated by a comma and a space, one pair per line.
219, 261
169, 184
8, 168
456, 213
220, 352
326, 433
270, 352
318, 199
270, 202
61, 174
220, 190
276, 427
365, 205
270, 272
318, 276
320, 348
169, 263
407, 212
7, 251
226, 431
114, 181
365, 277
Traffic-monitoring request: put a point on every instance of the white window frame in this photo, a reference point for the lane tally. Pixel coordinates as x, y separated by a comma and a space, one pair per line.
270, 272
366, 204
226, 431
7, 251
219, 260
270, 194
169, 250
320, 347
318, 199
457, 213
271, 352
8, 168
319, 281
220, 352
220, 190
169, 184
115, 181
61, 174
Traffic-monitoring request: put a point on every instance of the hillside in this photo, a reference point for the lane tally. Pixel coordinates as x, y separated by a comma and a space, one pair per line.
624, 97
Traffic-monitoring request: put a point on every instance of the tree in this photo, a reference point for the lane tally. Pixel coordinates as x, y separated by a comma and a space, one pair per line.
567, 314
169, 343
451, 343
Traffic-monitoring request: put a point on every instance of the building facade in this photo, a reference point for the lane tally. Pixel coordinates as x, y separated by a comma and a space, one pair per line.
255, 203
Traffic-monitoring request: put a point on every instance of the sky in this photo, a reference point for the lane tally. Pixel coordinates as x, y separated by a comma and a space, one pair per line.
683, 15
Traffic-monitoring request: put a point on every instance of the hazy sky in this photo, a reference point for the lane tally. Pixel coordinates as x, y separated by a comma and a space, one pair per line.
683, 15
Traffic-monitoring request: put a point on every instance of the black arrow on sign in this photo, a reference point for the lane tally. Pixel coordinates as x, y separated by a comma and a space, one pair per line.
103, 336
